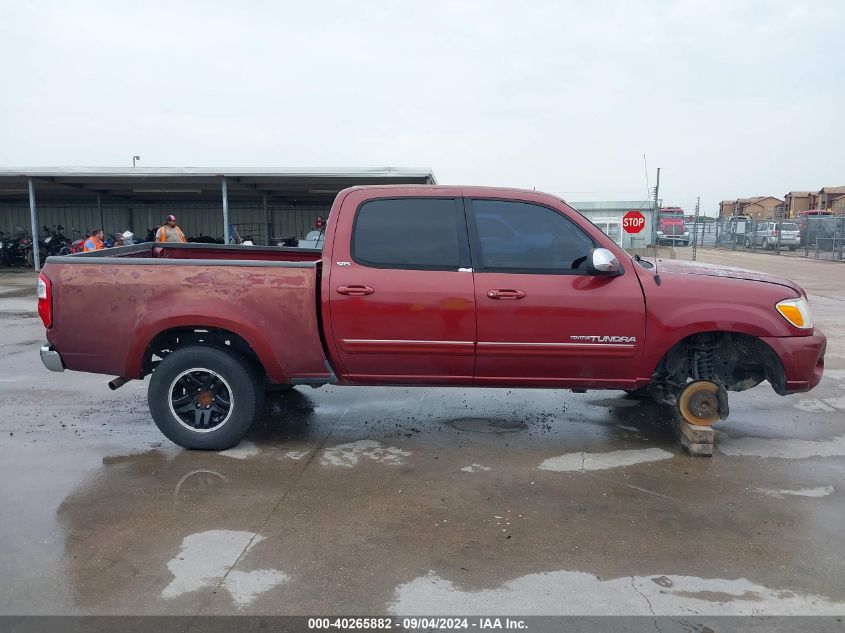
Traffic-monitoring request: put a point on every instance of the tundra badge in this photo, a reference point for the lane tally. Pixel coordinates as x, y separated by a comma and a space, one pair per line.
605, 339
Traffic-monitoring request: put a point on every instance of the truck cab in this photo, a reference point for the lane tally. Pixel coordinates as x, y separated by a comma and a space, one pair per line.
671, 227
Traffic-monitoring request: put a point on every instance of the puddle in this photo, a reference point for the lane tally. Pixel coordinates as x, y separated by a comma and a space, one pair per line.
474, 468
204, 559
488, 425
244, 586
580, 593
241, 451
821, 491
348, 455
783, 448
199, 484
574, 462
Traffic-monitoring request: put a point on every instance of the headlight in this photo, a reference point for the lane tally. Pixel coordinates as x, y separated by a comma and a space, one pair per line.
660, 232
686, 232
797, 312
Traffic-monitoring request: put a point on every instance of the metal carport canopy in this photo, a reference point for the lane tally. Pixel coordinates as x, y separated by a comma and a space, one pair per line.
148, 185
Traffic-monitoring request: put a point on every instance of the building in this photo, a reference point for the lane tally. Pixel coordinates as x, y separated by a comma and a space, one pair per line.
762, 207
757, 207
265, 205
830, 199
727, 208
796, 201
608, 215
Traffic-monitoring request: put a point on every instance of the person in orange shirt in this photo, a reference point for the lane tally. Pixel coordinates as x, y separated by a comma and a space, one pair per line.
94, 242
169, 232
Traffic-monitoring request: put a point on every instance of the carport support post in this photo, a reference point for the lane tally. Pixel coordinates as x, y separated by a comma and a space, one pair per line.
36, 255
100, 211
225, 211
266, 219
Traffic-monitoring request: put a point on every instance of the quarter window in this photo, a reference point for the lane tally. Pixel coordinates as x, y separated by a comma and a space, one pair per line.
412, 233
526, 237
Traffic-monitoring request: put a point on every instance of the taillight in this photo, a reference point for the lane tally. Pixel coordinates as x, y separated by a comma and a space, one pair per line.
773, 233
45, 300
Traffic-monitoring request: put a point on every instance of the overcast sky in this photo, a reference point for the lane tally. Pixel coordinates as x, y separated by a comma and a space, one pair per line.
730, 98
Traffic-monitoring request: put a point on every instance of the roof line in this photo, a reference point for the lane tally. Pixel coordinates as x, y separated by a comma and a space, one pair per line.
213, 172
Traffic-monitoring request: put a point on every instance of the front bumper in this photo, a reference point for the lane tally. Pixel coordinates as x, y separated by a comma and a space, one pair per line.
51, 359
802, 358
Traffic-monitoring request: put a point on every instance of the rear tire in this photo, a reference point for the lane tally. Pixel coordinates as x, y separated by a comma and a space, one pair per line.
204, 398
765, 244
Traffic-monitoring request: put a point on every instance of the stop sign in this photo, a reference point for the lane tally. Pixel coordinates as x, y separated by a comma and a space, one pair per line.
633, 222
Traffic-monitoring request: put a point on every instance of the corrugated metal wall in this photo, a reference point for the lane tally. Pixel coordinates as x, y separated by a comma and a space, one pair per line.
195, 220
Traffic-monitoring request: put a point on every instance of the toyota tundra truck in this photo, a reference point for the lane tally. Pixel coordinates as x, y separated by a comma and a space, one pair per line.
421, 286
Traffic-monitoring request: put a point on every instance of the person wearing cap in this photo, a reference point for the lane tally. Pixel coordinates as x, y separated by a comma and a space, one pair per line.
94, 242
169, 232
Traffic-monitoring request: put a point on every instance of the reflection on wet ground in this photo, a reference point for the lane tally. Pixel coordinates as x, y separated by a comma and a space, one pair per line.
362, 501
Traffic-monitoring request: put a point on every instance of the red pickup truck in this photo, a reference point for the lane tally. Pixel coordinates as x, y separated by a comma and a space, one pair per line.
421, 285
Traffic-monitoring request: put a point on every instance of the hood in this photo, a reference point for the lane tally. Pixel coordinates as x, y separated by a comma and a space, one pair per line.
677, 267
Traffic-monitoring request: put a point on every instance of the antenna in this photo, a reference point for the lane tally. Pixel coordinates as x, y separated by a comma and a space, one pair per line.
657, 218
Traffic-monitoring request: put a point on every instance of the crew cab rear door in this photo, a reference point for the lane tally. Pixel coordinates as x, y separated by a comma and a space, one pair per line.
401, 293
541, 319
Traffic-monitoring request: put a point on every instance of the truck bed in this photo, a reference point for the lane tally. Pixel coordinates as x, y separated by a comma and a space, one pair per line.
220, 252
110, 305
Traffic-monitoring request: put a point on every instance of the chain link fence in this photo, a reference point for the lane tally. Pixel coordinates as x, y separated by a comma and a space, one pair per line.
819, 237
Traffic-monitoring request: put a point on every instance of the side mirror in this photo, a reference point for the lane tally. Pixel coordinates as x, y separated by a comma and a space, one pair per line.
601, 261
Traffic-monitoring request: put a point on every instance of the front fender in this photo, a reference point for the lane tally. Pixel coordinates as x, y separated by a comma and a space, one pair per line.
684, 305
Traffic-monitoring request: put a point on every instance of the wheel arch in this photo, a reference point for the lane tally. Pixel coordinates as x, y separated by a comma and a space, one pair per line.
739, 361
168, 336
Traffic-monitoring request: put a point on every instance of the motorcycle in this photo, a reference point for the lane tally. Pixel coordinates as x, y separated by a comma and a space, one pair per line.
53, 242
16, 248
77, 244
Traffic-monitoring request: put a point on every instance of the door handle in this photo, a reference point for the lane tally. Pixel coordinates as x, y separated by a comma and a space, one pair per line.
506, 294
355, 291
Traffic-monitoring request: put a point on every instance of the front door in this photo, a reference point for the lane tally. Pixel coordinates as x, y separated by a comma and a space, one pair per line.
402, 297
541, 319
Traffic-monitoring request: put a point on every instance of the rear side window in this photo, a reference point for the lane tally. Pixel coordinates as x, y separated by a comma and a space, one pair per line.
526, 237
412, 233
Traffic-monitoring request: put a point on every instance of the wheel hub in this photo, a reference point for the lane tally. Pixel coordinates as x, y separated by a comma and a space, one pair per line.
704, 404
205, 398
200, 400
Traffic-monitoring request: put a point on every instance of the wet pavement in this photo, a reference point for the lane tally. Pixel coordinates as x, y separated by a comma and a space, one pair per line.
394, 500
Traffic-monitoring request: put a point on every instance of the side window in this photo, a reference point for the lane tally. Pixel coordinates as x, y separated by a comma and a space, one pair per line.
412, 233
526, 237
